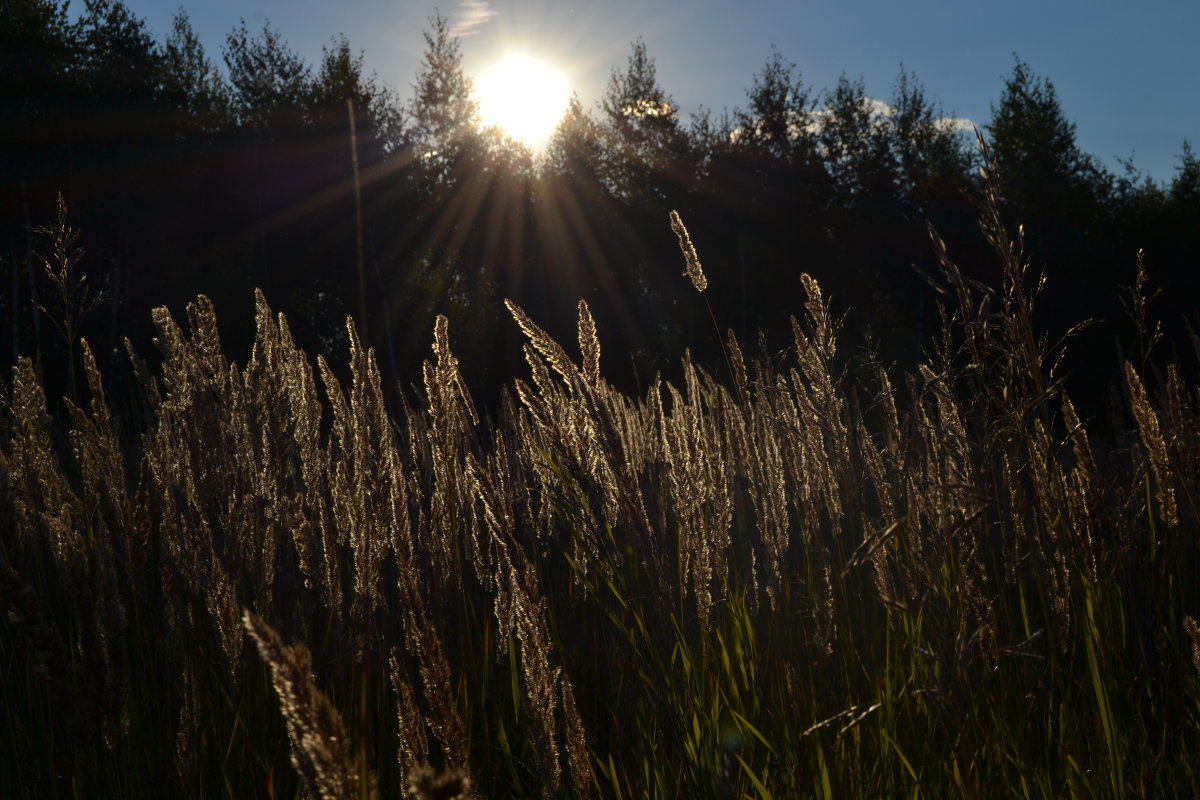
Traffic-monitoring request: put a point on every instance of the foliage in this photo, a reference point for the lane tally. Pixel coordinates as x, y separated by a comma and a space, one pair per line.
1035, 145
270, 81
822, 577
642, 122
241, 168
779, 117
443, 109
191, 82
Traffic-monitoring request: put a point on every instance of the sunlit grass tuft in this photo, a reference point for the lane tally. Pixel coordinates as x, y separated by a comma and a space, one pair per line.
821, 578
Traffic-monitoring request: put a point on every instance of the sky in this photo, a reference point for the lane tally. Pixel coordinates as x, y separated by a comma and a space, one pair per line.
1128, 74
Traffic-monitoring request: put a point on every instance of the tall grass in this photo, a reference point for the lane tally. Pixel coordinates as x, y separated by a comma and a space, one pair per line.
826, 579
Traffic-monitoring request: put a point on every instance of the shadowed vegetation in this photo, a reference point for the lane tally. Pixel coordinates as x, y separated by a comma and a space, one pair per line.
193, 170
815, 576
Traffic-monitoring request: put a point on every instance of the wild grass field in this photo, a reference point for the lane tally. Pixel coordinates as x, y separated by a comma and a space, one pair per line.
807, 577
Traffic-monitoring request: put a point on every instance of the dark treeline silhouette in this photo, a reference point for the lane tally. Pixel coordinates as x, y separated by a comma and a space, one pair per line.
189, 172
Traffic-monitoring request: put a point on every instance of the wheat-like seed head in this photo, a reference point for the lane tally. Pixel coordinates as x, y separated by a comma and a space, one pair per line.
693, 271
413, 747
187, 734
436, 674
544, 343
320, 745
580, 763
1193, 633
1156, 448
1080, 491
589, 344
541, 679
737, 364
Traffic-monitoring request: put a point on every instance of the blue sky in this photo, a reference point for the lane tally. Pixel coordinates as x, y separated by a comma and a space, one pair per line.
1127, 74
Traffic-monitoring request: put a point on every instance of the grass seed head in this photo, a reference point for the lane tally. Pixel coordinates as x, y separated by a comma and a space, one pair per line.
693, 270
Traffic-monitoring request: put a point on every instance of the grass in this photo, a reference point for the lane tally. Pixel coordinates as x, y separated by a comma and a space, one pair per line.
827, 579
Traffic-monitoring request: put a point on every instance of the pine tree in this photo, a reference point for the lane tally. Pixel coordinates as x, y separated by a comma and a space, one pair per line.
1042, 169
270, 81
929, 152
443, 109
645, 142
779, 121
192, 87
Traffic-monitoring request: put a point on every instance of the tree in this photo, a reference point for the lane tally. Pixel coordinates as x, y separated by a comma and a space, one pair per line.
853, 142
779, 120
443, 110
192, 87
635, 102
577, 144
379, 120
271, 94
270, 81
1173, 252
1042, 169
35, 55
119, 61
35, 58
1185, 187
116, 76
1059, 195
581, 230
642, 123
928, 152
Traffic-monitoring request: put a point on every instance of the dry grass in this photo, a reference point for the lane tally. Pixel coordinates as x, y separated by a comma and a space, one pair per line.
823, 578
320, 745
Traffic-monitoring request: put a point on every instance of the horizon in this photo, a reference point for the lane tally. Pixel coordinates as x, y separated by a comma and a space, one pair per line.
1125, 84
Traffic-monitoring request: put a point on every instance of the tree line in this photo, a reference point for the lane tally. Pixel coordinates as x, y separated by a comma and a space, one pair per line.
187, 172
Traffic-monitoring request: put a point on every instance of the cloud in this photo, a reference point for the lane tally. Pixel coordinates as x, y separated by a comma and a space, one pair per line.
879, 112
958, 124
470, 17
880, 109
877, 108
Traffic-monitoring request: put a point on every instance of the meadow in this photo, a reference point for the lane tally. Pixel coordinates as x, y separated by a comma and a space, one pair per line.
807, 576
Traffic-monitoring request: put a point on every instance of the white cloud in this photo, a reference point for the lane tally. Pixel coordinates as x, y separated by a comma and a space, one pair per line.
812, 122
470, 17
879, 111
957, 124
877, 108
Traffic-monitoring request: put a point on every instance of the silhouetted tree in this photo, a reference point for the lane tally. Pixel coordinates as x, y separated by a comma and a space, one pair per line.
766, 197
1058, 194
587, 241
928, 149
192, 86
378, 112
433, 258
1042, 169
1185, 188
855, 148
443, 110
118, 60
270, 81
646, 144
779, 119
1174, 249
36, 54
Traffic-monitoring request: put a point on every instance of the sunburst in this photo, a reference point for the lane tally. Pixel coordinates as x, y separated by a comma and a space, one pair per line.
524, 97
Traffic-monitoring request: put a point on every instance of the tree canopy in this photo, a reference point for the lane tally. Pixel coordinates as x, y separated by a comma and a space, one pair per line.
188, 174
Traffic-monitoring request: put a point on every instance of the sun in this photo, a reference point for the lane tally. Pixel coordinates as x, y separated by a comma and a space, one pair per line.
524, 97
